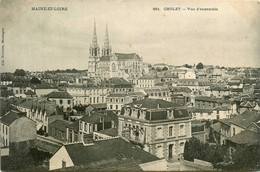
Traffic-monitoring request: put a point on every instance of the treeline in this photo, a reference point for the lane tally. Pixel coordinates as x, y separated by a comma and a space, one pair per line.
64, 71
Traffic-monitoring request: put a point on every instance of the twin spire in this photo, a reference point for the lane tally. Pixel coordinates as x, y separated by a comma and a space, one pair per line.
106, 50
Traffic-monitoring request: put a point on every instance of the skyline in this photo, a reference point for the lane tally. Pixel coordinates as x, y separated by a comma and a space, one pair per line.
61, 40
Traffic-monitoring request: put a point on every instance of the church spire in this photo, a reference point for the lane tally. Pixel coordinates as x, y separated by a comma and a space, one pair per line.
94, 50
106, 45
106, 49
94, 39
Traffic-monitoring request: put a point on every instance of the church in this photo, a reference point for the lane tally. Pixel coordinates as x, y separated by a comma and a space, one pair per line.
106, 64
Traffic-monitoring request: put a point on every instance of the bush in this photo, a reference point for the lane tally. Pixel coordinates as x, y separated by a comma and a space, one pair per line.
211, 153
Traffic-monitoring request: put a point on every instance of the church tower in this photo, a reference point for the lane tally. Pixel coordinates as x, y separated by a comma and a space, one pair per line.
106, 50
94, 50
94, 54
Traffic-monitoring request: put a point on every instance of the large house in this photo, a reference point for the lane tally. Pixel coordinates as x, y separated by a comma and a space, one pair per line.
234, 126
42, 112
62, 99
83, 129
15, 127
161, 127
115, 101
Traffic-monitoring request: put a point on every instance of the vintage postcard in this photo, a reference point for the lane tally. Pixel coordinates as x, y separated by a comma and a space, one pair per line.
130, 85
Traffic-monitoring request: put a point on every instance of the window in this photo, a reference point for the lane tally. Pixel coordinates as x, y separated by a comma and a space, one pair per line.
80, 125
234, 131
116, 106
69, 102
159, 133
86, 127
16, 91
159, 151
170, 130
111, 106
61, 101
181, 130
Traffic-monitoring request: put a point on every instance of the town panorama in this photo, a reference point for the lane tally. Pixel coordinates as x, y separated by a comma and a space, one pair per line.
125, 114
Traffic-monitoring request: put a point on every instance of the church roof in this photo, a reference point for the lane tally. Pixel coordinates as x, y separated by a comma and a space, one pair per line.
122, 57
130, 56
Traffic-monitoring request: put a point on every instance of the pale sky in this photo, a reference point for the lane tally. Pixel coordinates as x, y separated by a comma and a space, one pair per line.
47, 40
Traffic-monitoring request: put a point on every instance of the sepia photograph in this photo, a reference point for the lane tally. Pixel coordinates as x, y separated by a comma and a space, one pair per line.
130, 85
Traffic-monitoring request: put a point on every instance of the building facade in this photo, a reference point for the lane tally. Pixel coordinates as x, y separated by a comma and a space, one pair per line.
157, 125
105, 64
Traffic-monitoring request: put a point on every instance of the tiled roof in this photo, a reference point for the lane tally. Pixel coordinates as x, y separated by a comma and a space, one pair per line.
153, 103
225, 121
28, 104
216, 88
135, 94
74, 126
19, 84
129, 56
246, 137
149, 77
156, 90
30, 92
180, 89
110, 132
247, 104
216, 127
211, 99
44, 86
117, 95
59, 95
94, 117
222, 108
197, 110
107, 165
60, 124
11, 116
105, 150
246, 118
99, 106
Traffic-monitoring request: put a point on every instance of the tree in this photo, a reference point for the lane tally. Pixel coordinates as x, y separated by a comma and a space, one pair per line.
164, 68
199, 66
187, 66
246, 157
35, 80
203, 151
19, 72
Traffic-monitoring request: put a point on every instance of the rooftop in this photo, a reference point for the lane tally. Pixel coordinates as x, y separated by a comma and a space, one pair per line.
59, 95
110, 132
246, 118
246, 137
81, 154
153, 103
11, 116
60, 124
